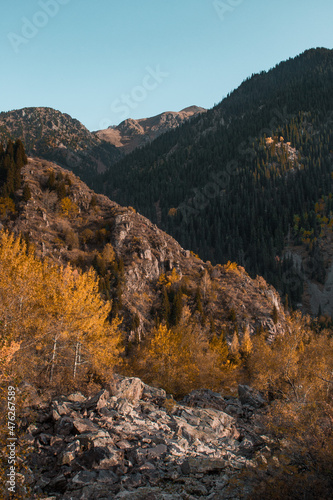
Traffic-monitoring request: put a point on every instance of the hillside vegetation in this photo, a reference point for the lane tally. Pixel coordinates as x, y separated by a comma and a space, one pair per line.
229, 184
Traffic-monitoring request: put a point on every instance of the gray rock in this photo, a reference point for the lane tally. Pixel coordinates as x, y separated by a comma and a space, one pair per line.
127, 388
62, 409
249, 396
45, 439
98, 401
204, 465
58, 484
77, 397
64, 426
84, 477
147, 494
154, 394
85, 425
107, 476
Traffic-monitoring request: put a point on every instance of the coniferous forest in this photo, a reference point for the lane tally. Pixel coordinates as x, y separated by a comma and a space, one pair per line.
230, 184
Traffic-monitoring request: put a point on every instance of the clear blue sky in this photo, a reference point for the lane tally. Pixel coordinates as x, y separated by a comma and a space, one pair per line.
96, 60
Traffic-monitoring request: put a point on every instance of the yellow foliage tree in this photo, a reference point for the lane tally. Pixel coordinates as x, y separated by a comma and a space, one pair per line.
246, 346
69, 208
6, 206
55, 314
181, 358
296, 372
168, 279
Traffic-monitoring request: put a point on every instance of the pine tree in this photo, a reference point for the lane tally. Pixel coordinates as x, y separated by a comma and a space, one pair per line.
275, 315
177, 307
165, 307
26, 192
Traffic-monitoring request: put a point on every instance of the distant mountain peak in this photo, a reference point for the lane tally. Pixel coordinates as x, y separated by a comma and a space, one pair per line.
131, 134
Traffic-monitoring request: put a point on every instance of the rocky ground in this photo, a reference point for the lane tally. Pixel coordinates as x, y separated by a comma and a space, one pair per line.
131, 441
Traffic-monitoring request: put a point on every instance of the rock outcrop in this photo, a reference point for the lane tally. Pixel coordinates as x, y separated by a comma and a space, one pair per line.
132, 441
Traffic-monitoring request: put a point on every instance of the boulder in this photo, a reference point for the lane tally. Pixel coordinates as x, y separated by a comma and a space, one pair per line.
251, 397
98, 401
153, 394
85, 425
77, 397
127, 388
205, 398
64, 426
203, 465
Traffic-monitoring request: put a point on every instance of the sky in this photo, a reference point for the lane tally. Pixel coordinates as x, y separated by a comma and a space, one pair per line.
103, 61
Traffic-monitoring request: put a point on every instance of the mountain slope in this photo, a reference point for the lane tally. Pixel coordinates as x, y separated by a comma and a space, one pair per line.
228, 183
58, 137
68, 222
55, 136
130, 134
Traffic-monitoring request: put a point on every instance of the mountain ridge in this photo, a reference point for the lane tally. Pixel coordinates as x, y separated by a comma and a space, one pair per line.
131, 134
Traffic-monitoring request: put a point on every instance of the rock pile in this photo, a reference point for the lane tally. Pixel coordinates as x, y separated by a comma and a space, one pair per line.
133, 442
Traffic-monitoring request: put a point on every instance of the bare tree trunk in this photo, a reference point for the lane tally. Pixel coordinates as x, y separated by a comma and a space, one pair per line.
77, 359
53, 358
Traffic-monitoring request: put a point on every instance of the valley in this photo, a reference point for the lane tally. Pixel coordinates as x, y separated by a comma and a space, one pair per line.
166, 296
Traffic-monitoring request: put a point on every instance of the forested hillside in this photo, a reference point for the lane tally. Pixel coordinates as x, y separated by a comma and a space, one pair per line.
87, 287
56, 136
229, 184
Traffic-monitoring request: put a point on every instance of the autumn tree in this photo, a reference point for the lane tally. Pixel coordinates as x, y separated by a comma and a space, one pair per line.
68, 208
56, 315
296, 373
181, 358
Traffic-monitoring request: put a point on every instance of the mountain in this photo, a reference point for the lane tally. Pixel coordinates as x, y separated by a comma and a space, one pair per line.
230, 183
131, 134
56, 136
139, 265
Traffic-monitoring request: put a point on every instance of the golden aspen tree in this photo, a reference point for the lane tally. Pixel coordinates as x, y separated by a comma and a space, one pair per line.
296, 370
246, 346
162, 356
68, 208
181, 359
55, 314
219, 347
234, 349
